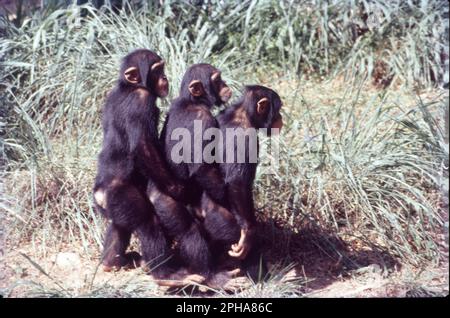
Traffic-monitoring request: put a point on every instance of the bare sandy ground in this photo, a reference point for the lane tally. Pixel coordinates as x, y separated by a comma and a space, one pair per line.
70, 274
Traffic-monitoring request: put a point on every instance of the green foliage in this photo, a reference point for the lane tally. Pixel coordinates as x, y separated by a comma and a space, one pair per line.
322, 37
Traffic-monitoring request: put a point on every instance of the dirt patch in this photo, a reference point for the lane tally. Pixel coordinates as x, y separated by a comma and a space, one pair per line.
324, 266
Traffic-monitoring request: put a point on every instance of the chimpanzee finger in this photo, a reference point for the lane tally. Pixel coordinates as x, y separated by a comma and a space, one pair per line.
240, 255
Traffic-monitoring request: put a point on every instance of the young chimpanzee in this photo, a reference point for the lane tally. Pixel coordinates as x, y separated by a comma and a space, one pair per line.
129, 158
235, 227
201, 89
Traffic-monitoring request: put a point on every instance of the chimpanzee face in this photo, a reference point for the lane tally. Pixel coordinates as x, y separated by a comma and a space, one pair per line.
265, 108
220, 88
205, 81
276, 119
145, 68
158, 80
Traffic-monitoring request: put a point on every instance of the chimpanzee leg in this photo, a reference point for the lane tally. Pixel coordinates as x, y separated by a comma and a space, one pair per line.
194, 250
130, 210
254, 264
210, 179
155, 250
223, 230
226, 232
116, 243
219, 222
160, 261
179, 224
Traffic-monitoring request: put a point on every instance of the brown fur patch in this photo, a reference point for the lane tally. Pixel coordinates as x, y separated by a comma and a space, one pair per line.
226, 214
209, 206
116, 182
202, 112
241, 118
168, 201
278, 124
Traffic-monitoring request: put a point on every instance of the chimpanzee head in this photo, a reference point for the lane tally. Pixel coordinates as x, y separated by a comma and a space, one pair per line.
204, 82
144, 68
263, 106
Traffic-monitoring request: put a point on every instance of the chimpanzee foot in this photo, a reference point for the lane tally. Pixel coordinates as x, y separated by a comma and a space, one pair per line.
229, 281
237, 284
180, 279
133, 260
193, 279
130, 260
223, 278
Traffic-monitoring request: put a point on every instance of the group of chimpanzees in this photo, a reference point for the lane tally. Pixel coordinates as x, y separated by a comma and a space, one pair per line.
194, 220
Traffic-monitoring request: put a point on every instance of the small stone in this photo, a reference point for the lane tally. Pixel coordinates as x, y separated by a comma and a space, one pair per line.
68, 260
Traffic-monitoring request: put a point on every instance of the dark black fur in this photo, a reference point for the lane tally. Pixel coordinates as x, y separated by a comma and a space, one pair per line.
179, 223
183, 230
182, 113
128, 159
223, 225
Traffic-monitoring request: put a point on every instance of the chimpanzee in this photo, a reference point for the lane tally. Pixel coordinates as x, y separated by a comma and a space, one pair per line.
129, 158
202, 87
233, 229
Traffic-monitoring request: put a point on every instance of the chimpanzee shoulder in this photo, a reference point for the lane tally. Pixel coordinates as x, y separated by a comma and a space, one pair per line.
183, 112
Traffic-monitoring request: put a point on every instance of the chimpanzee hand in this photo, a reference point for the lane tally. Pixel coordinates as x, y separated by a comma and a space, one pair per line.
241, 249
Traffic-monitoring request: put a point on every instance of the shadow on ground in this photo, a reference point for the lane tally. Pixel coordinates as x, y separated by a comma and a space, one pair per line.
320, 257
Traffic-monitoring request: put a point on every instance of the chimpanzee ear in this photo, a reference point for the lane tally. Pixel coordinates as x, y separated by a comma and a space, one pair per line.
157, 66
262, 106
196, 88
215, 76
132, 75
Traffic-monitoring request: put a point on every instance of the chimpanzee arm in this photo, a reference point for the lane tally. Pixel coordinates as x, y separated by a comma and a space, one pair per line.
239, 179
145, 151
241, 201
158, 171
209, 177
240, 198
